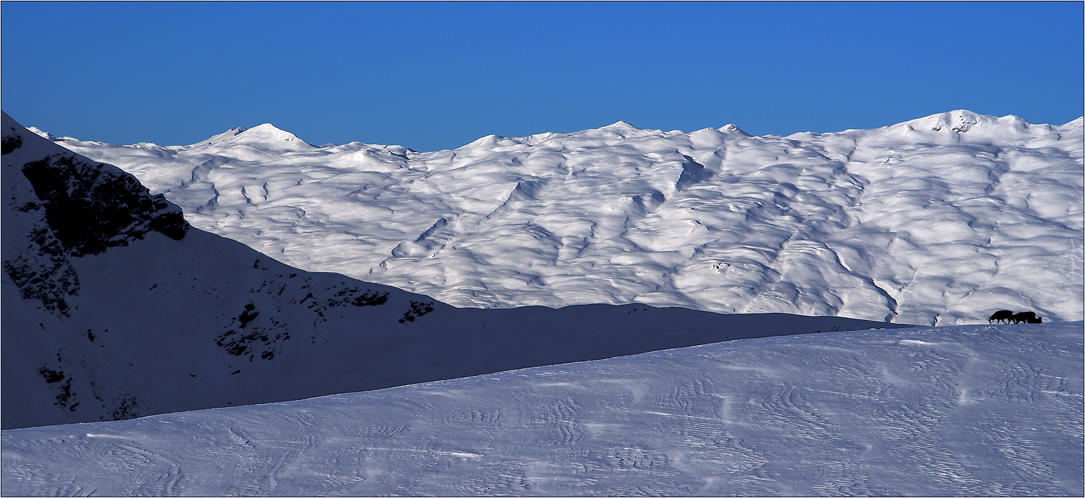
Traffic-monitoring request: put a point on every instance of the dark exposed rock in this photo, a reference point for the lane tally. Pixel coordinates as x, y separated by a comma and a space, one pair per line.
417, 309
10, 142
91, 206
82, 207
64, 393
248, 315
50, 375
355, 297
127, 408
41, 270
262, 341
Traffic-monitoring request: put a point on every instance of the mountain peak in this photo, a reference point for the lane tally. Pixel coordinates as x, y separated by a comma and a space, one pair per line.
968, 126
619, 125
962, 120
267, 128
266, 135
959, 121
41, 133
731, 128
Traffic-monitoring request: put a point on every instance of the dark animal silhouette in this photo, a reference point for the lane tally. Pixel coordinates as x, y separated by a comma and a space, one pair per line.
1025, 316
1000, 316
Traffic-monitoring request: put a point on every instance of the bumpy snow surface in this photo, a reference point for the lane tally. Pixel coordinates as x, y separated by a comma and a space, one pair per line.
948, 411
939, 220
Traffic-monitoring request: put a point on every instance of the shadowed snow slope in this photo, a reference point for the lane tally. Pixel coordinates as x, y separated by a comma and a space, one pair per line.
114, 308
939, 220
948, 411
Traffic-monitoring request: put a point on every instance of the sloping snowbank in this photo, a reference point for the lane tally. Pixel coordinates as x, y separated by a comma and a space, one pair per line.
965, 410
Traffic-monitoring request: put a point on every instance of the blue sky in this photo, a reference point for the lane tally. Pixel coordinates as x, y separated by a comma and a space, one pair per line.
434, 76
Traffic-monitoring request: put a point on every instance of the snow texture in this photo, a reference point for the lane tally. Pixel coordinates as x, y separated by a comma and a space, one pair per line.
947, 411
938, 220
113, 309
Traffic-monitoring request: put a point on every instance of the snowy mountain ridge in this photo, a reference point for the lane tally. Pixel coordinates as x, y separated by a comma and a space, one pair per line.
938, 220
113, 307
165, 317
265, 136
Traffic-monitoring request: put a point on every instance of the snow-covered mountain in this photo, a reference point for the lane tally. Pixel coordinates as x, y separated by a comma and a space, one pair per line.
938, 220
947, 411
113, 307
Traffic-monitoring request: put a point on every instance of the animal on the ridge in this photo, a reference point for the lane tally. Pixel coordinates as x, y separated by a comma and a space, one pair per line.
1008, 316
1026, 316
1000, 316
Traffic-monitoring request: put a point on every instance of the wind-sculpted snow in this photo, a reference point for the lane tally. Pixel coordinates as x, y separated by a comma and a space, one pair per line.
948, 411
940, 220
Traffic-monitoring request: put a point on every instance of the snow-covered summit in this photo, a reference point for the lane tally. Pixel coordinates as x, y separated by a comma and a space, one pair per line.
731, 128
265, 136
41, 133
620, 127
912, 222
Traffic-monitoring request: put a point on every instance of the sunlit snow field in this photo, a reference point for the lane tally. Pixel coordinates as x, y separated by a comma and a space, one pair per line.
930, 221
948, 411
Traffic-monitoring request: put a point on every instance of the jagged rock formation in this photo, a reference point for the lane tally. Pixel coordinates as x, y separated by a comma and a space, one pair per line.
92, 206
79, 207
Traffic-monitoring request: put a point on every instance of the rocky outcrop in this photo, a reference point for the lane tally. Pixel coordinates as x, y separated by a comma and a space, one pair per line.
39, 267
72, 207
92, 206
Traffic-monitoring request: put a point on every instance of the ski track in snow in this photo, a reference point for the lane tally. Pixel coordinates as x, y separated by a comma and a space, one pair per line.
939, 220
966, 410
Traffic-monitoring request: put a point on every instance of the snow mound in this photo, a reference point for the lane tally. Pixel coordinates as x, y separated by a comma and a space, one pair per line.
938, 220
948, 411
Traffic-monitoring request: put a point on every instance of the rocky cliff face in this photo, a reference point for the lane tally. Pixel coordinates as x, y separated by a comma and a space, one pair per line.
92, 206
74, 207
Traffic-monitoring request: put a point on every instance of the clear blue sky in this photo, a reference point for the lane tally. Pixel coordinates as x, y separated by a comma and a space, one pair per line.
438, 75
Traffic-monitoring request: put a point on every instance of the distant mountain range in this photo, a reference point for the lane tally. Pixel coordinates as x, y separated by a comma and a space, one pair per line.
939, 220
115, 307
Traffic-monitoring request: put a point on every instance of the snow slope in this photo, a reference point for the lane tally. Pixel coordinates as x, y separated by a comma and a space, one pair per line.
947, 411
938, 220
113, 308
